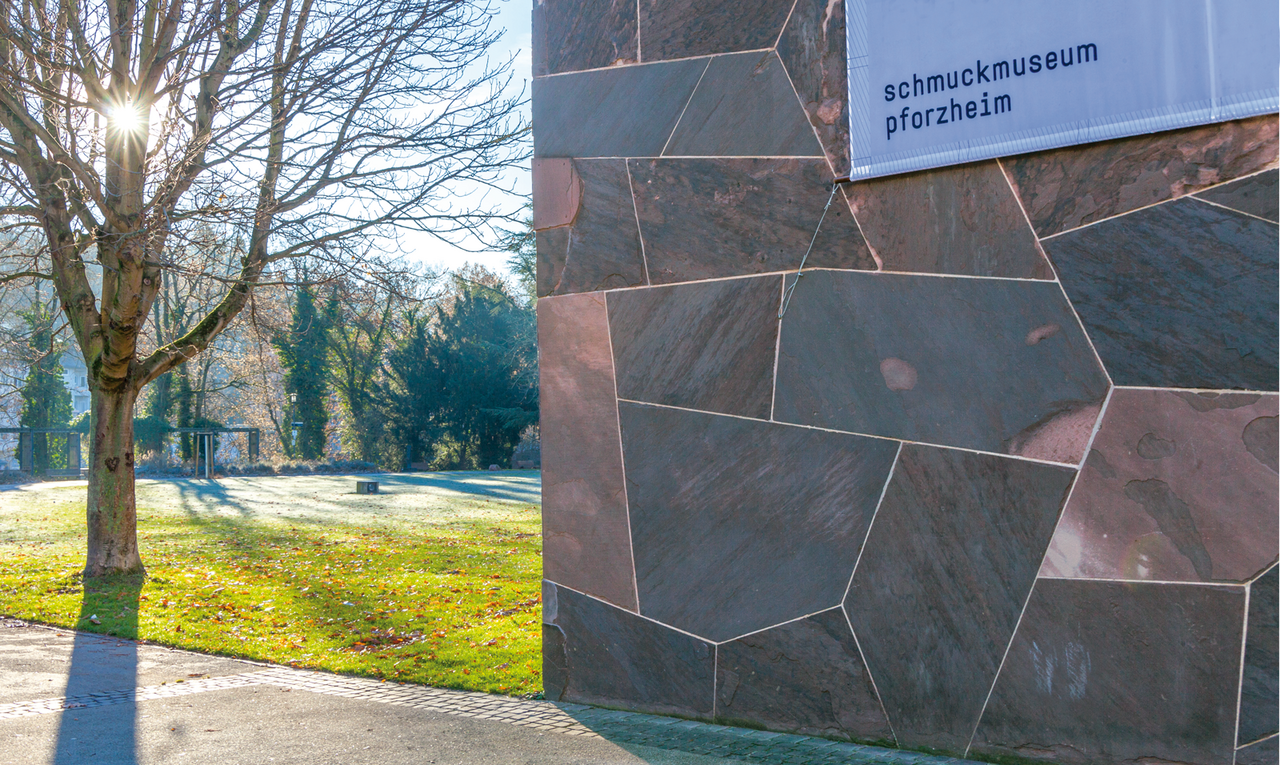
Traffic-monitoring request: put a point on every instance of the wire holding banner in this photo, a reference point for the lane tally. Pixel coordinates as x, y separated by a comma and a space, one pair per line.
786, 295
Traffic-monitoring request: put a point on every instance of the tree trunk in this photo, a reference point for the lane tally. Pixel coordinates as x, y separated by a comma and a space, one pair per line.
112, 512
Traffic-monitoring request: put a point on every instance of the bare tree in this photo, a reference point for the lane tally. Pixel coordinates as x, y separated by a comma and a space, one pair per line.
309, 127
19, 292
210, 258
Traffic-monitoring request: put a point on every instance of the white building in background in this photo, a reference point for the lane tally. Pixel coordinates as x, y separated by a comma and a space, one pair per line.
10, 408
76, 376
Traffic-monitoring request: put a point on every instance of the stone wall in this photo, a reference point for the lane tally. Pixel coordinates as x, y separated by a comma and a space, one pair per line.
1002, 481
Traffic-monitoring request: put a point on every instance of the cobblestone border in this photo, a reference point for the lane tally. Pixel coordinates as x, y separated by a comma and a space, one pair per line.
568, 719
105, 698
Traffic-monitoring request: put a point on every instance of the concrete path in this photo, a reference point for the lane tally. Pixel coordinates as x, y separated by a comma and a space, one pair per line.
69, 697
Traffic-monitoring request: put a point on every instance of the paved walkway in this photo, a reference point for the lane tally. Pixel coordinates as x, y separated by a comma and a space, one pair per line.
70, 697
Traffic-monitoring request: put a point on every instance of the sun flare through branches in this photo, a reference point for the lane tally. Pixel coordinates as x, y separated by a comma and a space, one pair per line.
125, 117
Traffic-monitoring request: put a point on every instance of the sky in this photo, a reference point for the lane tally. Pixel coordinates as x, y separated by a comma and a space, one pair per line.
512, 16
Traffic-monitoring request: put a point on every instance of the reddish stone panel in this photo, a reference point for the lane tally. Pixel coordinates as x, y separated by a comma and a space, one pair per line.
1265, 752
586, 539
1179, 295
1122, 673
1066, 188
943, 577
570, 35
996, 365
806, 677
812, 48
557, 193
732, 531
708, 346
708, 218
1254, 195
626, 111
744, 107
594, 653
598, 247
954, 220
1178, 486
1259, 691
681, 28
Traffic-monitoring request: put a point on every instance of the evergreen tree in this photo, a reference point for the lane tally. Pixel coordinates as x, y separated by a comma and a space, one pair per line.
303, 354
465, 382
412, 392
149, 430
46, 402
523, 260
184, 400
360, 330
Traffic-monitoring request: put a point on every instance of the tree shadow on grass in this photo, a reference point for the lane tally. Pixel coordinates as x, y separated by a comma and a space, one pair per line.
513, 486
205, 495
90, 730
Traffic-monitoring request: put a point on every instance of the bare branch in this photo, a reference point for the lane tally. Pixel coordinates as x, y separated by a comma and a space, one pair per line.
13, 277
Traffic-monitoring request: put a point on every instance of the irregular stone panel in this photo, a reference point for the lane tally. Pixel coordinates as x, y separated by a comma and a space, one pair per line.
570, 35
744, 107
761, 215
598, 246
954, 220
812, 48
1255, 195
995, 365
557, 193
708, 346
731, 533
586, 542
1260, 753
1170, 491
803, 677
594, 653
947, 567
1259, 694
680, 28
1181, 295
629, 111
1066, 188
1115, 672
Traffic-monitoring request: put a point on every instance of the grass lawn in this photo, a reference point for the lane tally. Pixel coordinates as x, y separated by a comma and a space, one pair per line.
419, 583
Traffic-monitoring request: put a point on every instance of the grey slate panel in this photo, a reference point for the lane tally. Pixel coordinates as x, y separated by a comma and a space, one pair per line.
628, 111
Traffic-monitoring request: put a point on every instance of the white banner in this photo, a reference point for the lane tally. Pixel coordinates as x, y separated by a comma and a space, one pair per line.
940, 82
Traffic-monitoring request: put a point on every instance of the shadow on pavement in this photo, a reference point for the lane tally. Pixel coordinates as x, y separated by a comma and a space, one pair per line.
100, 664
661, 740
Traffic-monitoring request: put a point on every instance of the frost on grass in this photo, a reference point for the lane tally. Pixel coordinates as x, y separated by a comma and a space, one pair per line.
418, 584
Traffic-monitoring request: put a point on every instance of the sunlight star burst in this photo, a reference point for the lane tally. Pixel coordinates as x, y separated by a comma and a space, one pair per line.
126, 118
